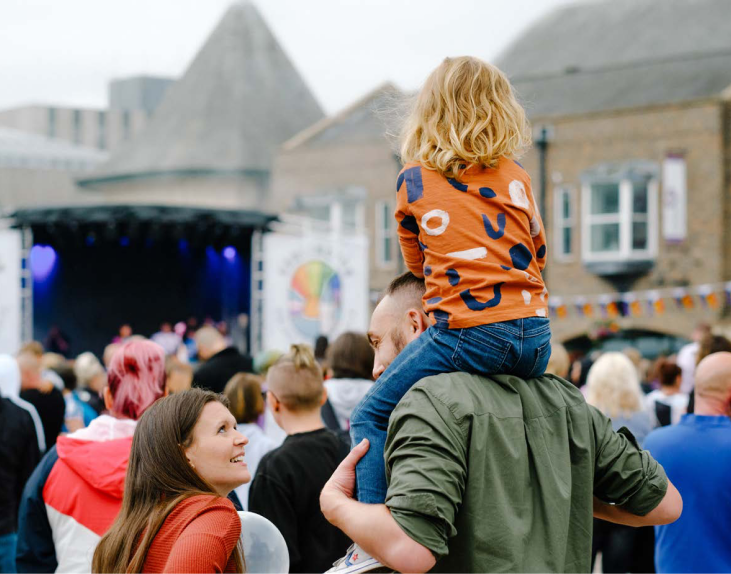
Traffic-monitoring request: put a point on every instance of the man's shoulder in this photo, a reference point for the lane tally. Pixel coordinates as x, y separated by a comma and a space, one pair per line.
667, 436
502, 395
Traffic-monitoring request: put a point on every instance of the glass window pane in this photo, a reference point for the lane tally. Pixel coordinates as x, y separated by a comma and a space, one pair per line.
566, 205
604, 198
605, 237
566, 245
350, 215
387, 250
639, 235
387, 216
639, 198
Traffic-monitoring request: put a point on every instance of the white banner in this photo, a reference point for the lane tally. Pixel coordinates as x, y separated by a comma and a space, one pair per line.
674, 199
314, 284
10, 313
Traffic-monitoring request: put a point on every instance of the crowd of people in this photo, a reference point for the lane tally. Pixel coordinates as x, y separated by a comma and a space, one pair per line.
454, 435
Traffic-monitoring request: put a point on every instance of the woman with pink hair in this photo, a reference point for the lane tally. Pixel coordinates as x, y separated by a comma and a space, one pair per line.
75, 493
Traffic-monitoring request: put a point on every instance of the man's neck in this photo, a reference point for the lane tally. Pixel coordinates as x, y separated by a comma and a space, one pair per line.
294, 423
712, 407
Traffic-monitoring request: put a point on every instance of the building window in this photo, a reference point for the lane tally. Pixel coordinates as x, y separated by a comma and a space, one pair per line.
51, 123
620, 219
564, 222
126, 128
77, 127
385, 235
102, 133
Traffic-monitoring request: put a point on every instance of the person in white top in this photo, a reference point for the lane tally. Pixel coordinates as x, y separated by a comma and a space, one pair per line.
349, 362
667, 404
688, 357
247, 404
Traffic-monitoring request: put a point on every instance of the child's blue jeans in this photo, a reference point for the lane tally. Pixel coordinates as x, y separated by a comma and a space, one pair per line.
520, 347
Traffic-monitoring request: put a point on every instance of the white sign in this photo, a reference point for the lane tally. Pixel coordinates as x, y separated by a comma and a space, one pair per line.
10, 302
314, 284
674, 199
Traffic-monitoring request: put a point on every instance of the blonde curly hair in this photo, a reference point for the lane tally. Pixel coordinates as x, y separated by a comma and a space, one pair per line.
465, 114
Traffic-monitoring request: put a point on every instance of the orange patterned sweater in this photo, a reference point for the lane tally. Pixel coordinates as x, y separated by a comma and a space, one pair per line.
478, 242
199, 535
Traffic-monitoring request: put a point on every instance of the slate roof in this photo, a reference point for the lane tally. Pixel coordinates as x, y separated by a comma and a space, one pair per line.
240, 98
371, 118
604, 55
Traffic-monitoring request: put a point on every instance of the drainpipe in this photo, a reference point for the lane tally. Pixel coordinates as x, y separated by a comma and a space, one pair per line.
542, 137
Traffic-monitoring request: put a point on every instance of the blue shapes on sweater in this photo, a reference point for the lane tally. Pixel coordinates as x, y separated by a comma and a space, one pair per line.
453, 277
409, 224
492, 233
521, 256
457, 185
476, 305
414, 184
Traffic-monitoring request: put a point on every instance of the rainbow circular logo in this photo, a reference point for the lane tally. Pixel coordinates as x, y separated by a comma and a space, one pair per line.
314, 298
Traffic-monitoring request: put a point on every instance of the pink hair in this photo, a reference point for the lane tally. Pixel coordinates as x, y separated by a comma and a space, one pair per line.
136, 377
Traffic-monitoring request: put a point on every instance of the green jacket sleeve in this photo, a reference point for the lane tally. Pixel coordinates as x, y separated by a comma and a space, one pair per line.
624, 474
426, 464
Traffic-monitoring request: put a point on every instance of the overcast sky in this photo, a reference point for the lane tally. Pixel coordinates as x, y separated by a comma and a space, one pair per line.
64, 52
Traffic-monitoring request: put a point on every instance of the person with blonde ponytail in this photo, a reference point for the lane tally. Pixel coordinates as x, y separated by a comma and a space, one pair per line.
288, 481
187, 456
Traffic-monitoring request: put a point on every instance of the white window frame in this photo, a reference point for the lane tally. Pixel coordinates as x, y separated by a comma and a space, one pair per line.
560, 222
384, 210
624, 218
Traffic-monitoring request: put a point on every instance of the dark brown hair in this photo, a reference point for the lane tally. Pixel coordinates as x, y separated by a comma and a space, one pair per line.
350, 356
668, 373
158, 479
243, 392
712, 344
406, 283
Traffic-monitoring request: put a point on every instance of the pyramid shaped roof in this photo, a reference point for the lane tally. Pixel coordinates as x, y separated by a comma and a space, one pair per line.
240, 98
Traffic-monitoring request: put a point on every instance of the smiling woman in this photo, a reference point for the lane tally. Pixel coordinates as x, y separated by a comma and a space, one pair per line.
186, 457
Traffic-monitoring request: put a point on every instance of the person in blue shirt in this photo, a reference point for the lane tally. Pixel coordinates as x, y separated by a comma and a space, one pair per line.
696, 455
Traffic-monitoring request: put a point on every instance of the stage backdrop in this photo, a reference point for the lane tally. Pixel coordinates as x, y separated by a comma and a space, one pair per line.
314, 284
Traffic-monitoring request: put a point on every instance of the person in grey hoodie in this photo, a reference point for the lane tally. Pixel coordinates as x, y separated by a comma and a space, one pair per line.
349, 361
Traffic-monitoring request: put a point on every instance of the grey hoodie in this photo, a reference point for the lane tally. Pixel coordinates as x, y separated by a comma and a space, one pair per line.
344, 395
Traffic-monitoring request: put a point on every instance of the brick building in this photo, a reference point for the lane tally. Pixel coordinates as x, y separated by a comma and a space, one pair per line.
632, 157
632, 118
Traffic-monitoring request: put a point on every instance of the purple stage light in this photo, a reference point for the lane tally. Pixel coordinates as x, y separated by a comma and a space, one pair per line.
229, 253
42, 261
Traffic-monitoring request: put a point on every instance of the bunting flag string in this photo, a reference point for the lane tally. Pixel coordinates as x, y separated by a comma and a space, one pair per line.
652, 302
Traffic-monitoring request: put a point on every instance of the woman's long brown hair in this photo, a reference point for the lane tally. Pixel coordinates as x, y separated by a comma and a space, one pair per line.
158, 478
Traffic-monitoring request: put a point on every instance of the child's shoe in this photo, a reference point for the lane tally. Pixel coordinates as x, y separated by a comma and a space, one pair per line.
357, 560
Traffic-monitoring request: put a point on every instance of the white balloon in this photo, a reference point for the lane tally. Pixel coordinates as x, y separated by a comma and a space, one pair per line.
265, 550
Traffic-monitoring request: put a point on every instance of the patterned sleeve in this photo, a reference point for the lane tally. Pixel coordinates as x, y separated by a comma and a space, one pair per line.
537, 231
407, 226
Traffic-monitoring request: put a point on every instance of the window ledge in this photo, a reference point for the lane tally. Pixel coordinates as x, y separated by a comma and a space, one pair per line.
620, 267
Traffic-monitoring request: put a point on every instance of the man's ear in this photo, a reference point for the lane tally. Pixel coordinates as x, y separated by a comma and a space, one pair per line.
417, 321
324, 396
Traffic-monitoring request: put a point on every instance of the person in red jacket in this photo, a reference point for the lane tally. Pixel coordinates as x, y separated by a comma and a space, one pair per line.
187, 456
75, 493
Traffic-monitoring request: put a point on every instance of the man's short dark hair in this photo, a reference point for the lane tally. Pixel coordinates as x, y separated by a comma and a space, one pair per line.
406, 283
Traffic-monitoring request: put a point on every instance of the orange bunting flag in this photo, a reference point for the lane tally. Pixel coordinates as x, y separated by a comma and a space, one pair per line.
635, 308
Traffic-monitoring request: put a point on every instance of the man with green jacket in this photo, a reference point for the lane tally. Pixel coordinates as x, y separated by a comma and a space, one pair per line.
491, 474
